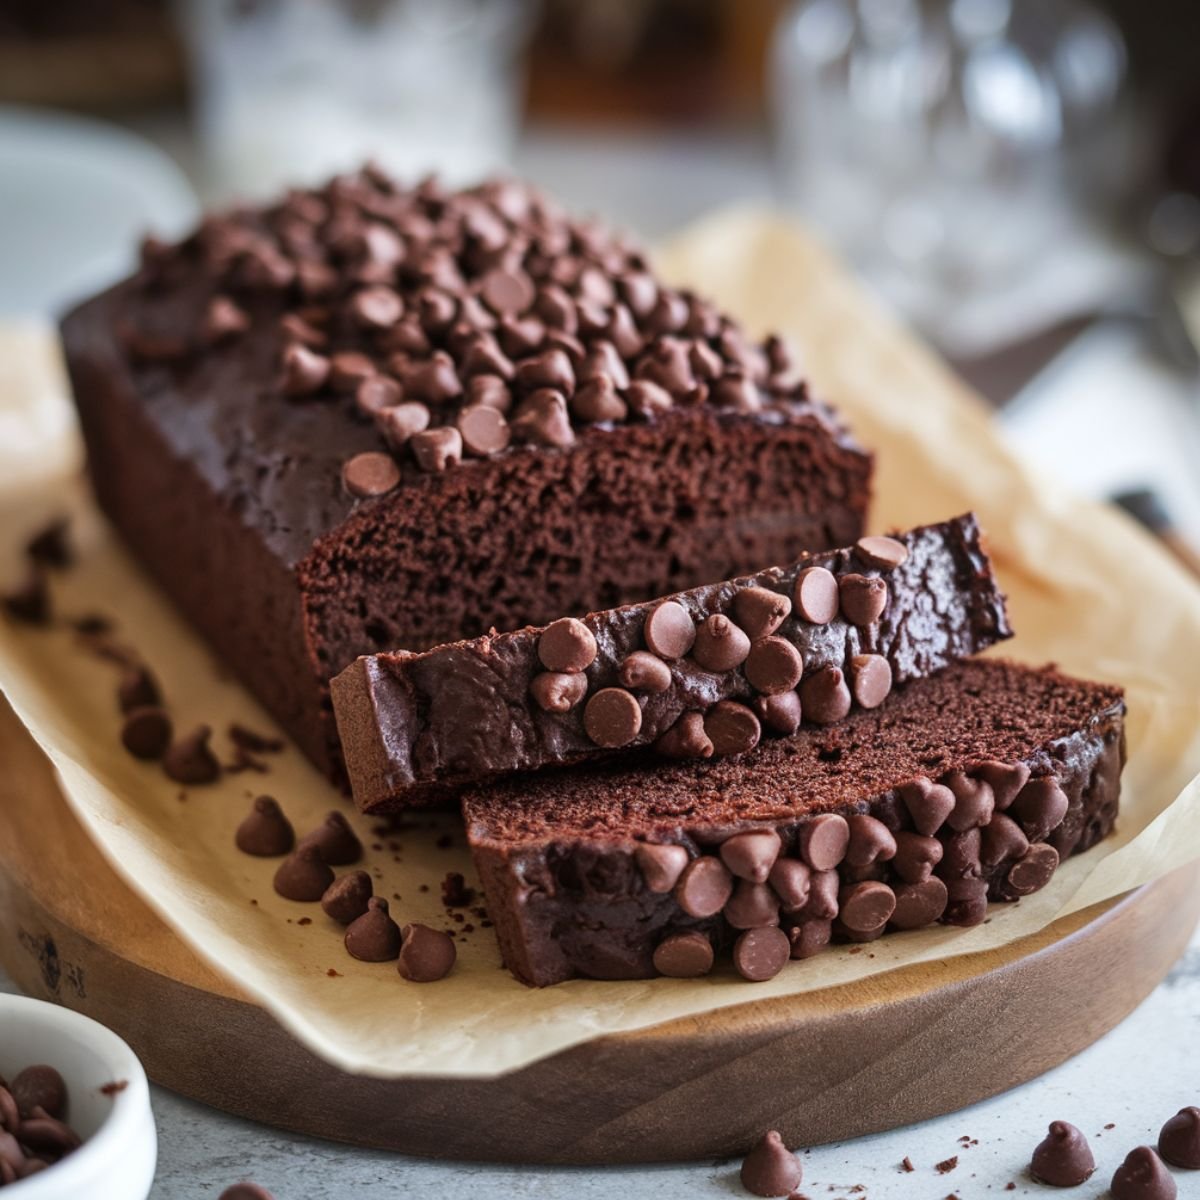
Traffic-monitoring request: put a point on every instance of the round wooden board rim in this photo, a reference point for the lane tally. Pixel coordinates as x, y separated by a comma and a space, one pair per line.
830, 1065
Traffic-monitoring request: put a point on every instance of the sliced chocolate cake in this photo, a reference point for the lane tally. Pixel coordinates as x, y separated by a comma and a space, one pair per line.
372, 417
965, 787
702, 672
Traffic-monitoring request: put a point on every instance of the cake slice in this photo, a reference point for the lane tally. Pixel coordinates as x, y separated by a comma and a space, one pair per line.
697, 673
369, 415
965, 787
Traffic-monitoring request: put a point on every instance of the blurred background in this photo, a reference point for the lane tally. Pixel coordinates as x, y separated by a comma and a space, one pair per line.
1019, 179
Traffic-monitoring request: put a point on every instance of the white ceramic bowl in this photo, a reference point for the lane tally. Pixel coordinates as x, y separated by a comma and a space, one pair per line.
120, 1146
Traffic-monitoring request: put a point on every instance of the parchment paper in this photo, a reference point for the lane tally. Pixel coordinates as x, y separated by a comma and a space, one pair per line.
1088, 590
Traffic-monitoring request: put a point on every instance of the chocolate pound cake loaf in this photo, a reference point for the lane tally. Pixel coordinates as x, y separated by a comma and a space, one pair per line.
373, 417
699, 673
965, 787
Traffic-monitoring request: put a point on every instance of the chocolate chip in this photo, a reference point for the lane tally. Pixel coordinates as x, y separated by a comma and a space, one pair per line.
437, 449
10, 1114
558, 691
780, 713
974, 802
961, 855
1040, 807
1033, 870
881, 553
345, 899
376, 307
597, 400
648, 399
666, 363
916, 856
966, 902
824, 696
484, 357
335, 841
45, 1134
426, 955
684, 955
266, 832
704, 887
489, 390
567, 645
928, 803
1179, 1141
39, 1086
760, 954
919, 904
669, 631
370, 474
12, 1157
189, 759
719, 644
760, 611
823, 841
246, 1191
790, 879
1142, 1176
612, 717
816, 595
752, 854
870, 679
146, 732
436, 310
303, 875
866, 907
542, 419
645, 672
738, 393
507, 292
1003, 840
348, 369
773, 665
304, 371
223, 319
1005, 779
373, 937
29, 601
660, 865
549, 371
809, 938
862, 598
375, 394
731, 727
484, 430
434, 381
685, 739
399, 422
1063, 1158
752, 905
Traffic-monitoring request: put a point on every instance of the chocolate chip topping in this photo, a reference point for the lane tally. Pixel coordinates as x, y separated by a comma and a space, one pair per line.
823, 841
370, 474
303, 875
809, 938
684, 955
685, 739
752, 854
974, 801
862, 598
881, 553
732, 728
961, 855
928, 804
916, 856
824, 696
1033, 870
751, 906
437, 449
719, 644
773, 665
373, 937
760, 954
760, 611
137, 689
660, 865
1005, 779
304, 371
704, 887
567, 645
645, 672
780, 713
335, 841
39, 1086
816, 595
146, 732
823, 888
345, 899
1039, 807
484, 430
790, 879
190, 759
426, 955
966, 901
669, 632
919, 904
558, 691
613, 717
1142, 1176
1179, 1141
1063, 1158
870, 679
871, 841
266, 832
399, 423
1003, 840
866, 907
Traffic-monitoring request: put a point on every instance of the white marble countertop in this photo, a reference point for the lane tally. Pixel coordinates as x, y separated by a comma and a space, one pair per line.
1132, 1079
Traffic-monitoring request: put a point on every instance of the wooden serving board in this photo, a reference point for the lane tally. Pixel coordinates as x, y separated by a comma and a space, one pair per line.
829, 1065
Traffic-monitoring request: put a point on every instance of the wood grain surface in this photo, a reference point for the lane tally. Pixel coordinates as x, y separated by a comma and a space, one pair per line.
829, 1065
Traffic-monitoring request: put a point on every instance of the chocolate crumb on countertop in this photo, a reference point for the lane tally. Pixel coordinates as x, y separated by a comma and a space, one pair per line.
947, 1165
51, 546
111, 1089
29, 601
254, 743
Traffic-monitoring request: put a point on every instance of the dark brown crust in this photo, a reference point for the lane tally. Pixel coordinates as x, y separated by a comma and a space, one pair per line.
567, 898
415, 726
